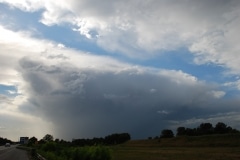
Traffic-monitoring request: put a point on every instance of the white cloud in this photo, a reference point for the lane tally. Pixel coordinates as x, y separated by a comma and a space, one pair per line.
163, 112
180, 77
217, 94
153, 90
137, 28
23, 4
11, 92
233, 84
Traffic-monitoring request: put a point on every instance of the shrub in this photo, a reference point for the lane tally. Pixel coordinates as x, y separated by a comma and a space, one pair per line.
53, 151
91, 153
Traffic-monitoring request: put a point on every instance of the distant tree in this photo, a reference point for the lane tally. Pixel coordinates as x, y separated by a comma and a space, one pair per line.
220, 128
112, 139
57, 140
64, 142
150, 138
4, 141
41, 141
181, 131
48, 138
117, 138
191, 132
166, 133
80, 142
97, 141
32, 140
234, 131
205, 128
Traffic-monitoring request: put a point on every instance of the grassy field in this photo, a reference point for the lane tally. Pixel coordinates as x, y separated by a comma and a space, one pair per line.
214, 147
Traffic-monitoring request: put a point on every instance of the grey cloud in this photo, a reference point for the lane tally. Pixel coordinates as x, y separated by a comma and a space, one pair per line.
59, 56
86, 102
34, 65
5, 100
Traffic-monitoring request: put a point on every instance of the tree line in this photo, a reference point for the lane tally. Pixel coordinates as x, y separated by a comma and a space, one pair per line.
113, 139
202, 129
3, 141
84, 149
116, 138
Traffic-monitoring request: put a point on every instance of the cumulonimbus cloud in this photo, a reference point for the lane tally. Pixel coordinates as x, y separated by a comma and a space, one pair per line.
78, 94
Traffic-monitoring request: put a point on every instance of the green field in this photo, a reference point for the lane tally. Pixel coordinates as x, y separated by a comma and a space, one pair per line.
214, 147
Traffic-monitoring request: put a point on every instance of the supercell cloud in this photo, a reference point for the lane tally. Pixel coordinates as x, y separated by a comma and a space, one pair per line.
88, 101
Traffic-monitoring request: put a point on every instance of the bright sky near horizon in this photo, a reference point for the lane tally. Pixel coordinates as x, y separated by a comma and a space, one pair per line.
89, 68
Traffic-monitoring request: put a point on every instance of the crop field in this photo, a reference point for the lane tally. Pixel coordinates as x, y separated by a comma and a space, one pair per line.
222, 147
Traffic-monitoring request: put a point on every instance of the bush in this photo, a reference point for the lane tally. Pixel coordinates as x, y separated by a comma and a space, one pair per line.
54, 151
50, 147
91, 153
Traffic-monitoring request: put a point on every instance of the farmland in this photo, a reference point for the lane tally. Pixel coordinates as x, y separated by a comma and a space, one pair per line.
209, 147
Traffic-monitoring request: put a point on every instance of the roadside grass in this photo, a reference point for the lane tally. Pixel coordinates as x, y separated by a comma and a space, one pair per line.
211, 147
54, 151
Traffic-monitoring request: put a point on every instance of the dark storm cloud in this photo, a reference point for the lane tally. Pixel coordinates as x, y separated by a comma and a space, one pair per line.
83, 102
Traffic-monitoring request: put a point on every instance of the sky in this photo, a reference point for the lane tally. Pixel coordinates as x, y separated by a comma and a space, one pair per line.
89, 68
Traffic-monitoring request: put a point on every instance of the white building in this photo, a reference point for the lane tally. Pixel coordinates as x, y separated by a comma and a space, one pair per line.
24, 140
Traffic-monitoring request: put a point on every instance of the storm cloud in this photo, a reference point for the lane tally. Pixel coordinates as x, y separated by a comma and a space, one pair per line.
86, 102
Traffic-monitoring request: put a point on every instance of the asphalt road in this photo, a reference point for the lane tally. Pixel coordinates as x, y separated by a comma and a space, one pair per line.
12, 153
